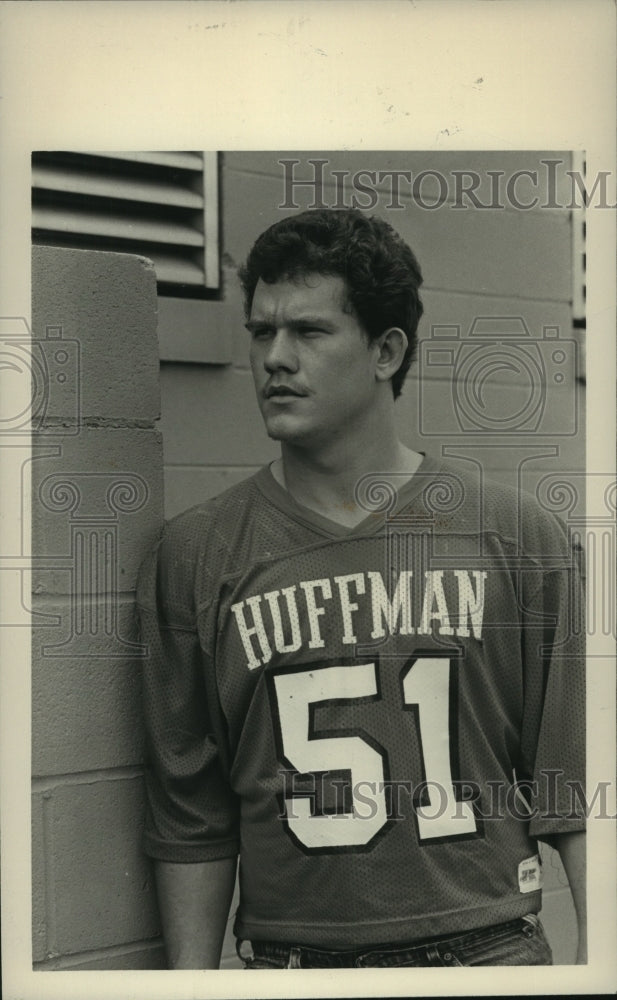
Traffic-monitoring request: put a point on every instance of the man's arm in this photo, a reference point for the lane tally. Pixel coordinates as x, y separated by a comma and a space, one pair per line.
572, 851
194, 900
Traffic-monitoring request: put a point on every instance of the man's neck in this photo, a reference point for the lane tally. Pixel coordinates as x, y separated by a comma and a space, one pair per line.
326, 482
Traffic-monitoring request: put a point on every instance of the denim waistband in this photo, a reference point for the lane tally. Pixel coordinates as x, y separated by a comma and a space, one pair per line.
278, 951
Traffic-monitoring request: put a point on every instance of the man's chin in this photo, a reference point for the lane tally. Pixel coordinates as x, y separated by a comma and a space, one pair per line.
283, 429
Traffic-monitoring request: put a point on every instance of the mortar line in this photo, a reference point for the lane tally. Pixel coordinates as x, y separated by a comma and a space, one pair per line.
115, 950
47, 783
51, 927
509, 296
215, 466
49, 424
126, 596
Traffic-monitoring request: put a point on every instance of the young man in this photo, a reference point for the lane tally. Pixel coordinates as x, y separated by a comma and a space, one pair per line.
363, 677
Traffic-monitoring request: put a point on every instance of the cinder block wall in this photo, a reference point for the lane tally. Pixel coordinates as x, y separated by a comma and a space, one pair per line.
96, 507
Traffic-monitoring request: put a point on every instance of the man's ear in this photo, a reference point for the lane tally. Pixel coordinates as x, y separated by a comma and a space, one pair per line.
391, 345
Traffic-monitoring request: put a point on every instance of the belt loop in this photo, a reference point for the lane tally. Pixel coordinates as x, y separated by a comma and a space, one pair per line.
529, 926
294, 959
239, 943
432, 954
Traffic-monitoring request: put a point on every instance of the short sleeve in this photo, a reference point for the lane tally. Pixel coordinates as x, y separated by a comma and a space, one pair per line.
553, 733
192, 814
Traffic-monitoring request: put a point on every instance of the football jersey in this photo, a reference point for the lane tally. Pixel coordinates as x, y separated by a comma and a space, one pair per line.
379, 720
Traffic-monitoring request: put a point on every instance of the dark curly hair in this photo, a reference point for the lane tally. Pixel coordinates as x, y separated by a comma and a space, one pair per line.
381, 273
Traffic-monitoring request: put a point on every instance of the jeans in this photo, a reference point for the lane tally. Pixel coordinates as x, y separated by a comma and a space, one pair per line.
517, 942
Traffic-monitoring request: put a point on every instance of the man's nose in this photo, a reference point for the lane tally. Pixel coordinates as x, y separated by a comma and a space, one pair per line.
281, 353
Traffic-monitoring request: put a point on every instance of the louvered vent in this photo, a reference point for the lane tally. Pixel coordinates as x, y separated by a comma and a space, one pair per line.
160, 205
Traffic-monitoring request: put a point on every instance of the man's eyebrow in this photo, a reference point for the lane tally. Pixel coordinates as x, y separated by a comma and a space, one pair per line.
311, 320
299, 321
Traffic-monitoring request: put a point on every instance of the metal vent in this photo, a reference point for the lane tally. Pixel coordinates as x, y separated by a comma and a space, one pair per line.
160, 205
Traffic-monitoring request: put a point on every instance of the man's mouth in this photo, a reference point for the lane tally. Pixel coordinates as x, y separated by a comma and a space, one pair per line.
281, 390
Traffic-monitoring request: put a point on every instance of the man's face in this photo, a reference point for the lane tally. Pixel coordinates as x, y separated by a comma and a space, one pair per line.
313, 367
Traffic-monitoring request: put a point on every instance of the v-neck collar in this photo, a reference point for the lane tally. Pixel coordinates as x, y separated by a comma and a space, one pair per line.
325, 526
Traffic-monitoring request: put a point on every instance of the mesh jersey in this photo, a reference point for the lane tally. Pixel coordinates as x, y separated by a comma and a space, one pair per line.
353, 711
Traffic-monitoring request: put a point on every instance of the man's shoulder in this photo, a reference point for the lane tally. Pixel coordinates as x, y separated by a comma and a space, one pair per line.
482, 504
215, 513
208, 529
199, 545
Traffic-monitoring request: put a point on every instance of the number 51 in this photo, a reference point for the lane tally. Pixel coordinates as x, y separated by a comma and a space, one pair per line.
426, 686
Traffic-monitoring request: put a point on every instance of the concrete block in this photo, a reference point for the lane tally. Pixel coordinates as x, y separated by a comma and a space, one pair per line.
210, 415
86, 709
503, 253
104, 892
151, 957
39, 914
186, 487
104, 307
96, 509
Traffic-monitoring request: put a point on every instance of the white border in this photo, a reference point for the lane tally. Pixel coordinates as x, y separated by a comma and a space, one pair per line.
254, 74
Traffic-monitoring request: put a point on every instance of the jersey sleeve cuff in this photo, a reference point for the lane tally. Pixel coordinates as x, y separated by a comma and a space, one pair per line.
546, 830
190, 853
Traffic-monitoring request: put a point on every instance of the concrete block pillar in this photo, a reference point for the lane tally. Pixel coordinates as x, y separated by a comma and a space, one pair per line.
96, 474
